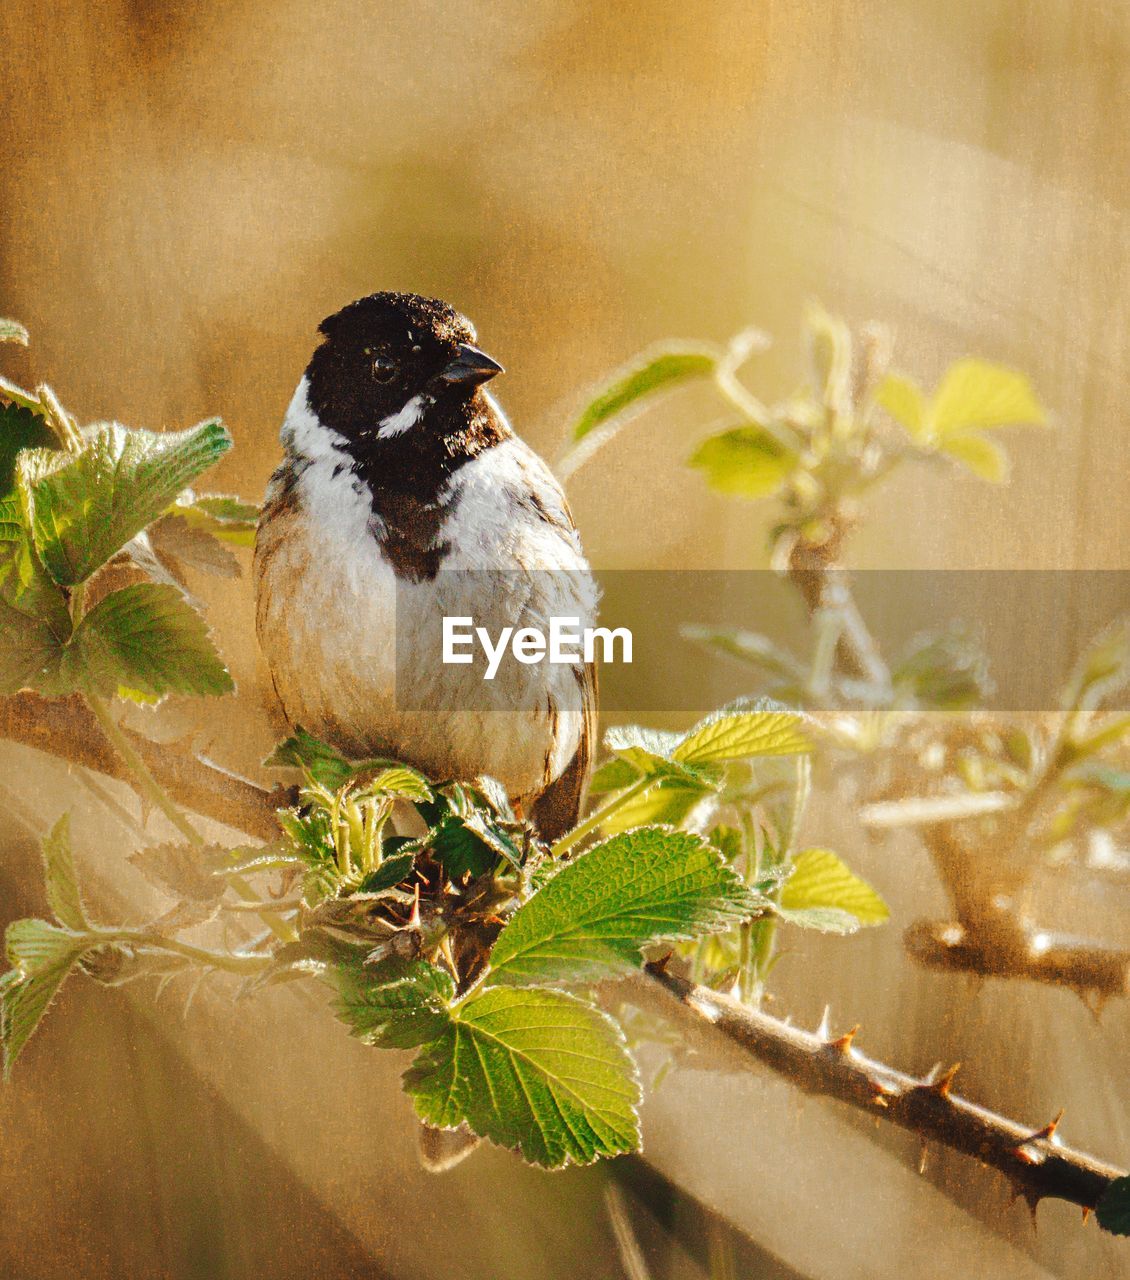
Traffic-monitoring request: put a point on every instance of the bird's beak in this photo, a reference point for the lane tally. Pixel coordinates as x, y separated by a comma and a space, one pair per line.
470, 367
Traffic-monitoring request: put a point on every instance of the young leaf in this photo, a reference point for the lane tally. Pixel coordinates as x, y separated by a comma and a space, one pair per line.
613, 775
185, 871
977, 393
229, 519
147, 638
325, 764
84, 512
742, 730
669, 802
589, 922
536, 1070
397, 1004
35, 945
1113, 1211
19, 429
658, 371
654, 752
904, 400
745, 462
13, 331
35, 623
401, 782
60, 878
392, 870
823, 894
984, 457
24, 999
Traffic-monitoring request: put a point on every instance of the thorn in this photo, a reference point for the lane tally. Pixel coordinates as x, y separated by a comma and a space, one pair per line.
1048, 1131
842, 1045
414, 918
878, 1096
923, 1152
824, 1029
1086, 1214
930, 1076
660, 966
1032, 1199
944, 1083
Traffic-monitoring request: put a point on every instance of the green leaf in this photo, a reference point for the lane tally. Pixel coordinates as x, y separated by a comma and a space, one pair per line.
744, 729
35, 622
904, 400
86, 511
1113, 1210
24, 999
821, 889
147, 638
13, 331
390, 873
230, 519
33, 946
397, 1004
984, 457
19, 429
325, 764
658, 371
60, 877
400, 782
589, 922
669, 802
653, 752
977, 393
540, 1071
613, 775
745, 462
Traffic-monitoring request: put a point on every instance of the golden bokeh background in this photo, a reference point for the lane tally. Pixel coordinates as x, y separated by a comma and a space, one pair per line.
189, 188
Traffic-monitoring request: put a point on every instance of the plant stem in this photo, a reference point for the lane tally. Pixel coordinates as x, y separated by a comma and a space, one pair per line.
229, 961
152, 790
597, 819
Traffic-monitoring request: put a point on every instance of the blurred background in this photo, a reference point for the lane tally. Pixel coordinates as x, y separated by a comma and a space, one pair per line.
189, 188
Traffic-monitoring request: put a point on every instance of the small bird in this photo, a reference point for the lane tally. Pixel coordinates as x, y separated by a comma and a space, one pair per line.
403, 497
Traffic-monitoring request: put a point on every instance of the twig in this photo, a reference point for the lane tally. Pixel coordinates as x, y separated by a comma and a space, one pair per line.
1035, 1163
65, 727
1027, 953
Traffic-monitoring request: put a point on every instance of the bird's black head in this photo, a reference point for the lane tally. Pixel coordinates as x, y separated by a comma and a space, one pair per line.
393, 364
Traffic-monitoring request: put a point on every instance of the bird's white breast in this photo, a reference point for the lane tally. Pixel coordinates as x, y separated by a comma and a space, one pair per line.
335, 621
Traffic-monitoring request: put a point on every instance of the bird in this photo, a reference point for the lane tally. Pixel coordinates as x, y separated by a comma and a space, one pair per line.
404, 496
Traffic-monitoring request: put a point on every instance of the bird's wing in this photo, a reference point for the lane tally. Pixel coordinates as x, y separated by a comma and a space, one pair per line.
558, 807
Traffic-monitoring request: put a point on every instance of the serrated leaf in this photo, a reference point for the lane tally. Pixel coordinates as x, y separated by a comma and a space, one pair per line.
613, 775
60, 877
821, 882
229, 519
35, 623
397, 1004
653, 884
653, 753
86, 511
1113, 1209
670, 801
34, 945
174, 539
657, 371
905, 401
535, 1070
147, 638
744, 462
23, 1002
19, 429
390, 873
186, 871
742, 730
302, 750
978, 393
13, 331
747, 646
399, 781
984, 457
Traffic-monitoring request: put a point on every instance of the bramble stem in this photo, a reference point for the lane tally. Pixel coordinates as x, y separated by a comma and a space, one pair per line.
229, 961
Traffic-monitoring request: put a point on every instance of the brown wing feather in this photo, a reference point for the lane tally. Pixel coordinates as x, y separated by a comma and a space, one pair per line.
558, 807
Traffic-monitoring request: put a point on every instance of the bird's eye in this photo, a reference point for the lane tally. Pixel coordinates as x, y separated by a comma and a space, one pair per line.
384, 369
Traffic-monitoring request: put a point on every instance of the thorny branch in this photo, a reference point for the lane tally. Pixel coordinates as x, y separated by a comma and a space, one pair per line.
985, 939
1035, 1163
